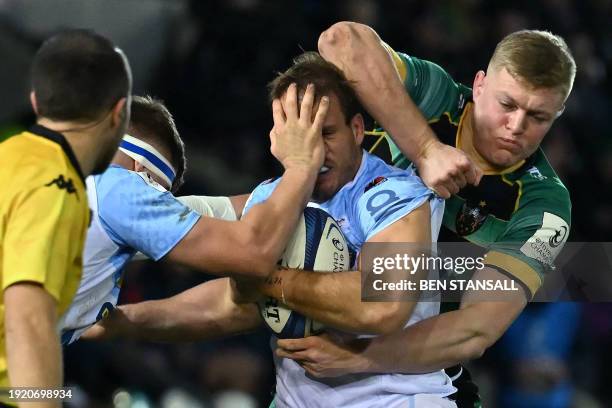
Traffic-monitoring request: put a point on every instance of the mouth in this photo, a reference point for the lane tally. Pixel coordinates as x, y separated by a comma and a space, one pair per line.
323, 170
509, 144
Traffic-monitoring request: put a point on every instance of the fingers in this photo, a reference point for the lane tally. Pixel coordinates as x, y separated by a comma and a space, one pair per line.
297, 355
474, 175
278, 115
293, 344
469, 171
321, 114
460, 179
307, 101
290, 103
442, 191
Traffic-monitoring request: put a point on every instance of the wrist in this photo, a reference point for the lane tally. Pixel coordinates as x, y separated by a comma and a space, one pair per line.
301, 168
272, 285
425, 149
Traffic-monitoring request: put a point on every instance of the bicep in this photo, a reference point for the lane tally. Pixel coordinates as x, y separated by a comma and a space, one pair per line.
215, 245
145, 219
412, 227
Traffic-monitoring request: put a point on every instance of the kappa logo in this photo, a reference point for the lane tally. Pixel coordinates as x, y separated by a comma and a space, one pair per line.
378, 180
63, 184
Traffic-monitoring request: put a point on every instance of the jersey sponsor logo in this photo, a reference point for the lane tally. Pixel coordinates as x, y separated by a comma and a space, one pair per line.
535, 173
559, 237
546, 243
461, 102
375, 182
470, 218
375, 204
63, 184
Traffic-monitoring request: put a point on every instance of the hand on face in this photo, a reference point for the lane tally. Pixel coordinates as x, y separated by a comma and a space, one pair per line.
296, 139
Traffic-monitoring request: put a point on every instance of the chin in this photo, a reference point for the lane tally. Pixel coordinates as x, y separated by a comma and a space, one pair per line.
504, 159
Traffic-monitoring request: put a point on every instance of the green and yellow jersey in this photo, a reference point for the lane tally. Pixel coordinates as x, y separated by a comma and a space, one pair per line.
522, 215
43, 219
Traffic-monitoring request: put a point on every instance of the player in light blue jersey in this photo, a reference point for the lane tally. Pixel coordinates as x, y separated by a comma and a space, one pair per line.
373, 202
133, 210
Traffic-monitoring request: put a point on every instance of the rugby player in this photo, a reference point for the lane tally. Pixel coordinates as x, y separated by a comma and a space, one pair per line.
82, 109
351, 183
520, 211
134, 211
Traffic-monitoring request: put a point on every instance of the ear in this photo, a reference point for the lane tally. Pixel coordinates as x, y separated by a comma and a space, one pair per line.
33, 102
139, 167
479, 82
358, 128
119, 112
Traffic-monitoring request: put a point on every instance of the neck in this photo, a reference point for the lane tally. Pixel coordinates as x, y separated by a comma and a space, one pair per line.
82, 138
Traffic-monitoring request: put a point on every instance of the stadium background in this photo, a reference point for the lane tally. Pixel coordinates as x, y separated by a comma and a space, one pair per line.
210, 62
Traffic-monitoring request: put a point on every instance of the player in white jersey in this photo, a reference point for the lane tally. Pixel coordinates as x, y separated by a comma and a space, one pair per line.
133, 210
373, 202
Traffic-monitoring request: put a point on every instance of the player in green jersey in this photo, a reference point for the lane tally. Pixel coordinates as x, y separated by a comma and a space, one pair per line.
519, 212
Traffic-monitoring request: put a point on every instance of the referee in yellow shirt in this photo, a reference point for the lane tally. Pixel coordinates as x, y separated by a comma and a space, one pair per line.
81, 85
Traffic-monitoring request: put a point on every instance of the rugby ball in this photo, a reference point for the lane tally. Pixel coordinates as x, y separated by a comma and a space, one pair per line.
317, 245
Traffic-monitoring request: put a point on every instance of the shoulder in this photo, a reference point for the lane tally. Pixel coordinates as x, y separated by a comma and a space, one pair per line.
379, 176
261, 193
31, 162
542, 188
383, 186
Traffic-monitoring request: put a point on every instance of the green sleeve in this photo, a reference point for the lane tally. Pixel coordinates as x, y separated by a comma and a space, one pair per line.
535, 233
432, 89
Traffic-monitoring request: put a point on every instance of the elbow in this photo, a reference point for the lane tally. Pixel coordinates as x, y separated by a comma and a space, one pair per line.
476, 346
385, 318
338, 38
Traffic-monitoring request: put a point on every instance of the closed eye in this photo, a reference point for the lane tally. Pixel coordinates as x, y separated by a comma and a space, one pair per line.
507, 106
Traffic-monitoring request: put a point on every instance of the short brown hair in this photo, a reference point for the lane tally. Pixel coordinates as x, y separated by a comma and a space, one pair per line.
152, 122
539, 58
311, 68
78, 75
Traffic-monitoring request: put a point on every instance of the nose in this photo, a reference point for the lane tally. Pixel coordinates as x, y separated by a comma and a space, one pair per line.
517, 122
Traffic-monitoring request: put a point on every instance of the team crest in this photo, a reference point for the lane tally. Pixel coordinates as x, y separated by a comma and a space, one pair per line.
469, 219
378, 180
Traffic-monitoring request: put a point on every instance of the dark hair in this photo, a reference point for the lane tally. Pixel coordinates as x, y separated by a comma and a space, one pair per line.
152, 122
310, 67
78, 75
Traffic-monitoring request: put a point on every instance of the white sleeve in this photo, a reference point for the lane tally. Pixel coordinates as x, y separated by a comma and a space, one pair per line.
216, 207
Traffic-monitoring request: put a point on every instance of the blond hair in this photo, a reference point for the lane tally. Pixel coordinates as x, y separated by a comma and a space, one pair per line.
538, 58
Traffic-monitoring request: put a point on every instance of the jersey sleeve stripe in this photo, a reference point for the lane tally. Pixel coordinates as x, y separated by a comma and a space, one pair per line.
516, 268
399, 64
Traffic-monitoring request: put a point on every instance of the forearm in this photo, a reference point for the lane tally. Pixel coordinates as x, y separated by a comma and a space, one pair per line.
441, 341
429, 345
273, 221
359, 52
334, 299
204, 312
34, 355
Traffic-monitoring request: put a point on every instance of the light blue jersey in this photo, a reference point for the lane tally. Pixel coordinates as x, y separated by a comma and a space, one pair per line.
378, 196
130, 213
